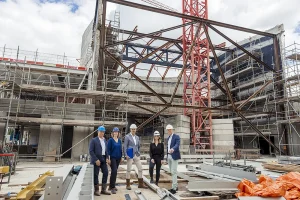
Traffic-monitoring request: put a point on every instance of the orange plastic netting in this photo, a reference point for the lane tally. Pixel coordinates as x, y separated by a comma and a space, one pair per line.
287, 185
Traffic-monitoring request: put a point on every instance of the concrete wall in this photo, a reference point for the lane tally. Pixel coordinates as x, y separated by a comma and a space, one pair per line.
81, 132
49, 138
50, 108
165, 86
223, 135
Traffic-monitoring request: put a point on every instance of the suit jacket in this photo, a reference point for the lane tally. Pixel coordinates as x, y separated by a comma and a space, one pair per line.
175, 143
129, 142
95, 149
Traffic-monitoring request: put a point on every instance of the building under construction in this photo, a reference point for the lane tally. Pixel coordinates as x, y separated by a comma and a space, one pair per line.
243, 96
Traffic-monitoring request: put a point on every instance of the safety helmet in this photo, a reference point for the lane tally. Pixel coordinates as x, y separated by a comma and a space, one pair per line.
101, 128
133, 126
156, 133
116, 129
169, 126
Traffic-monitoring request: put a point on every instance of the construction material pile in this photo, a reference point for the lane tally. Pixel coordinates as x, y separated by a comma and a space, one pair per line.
287, 185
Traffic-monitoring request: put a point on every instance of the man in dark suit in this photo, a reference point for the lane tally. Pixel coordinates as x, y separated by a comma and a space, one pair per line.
99, 159
173, 155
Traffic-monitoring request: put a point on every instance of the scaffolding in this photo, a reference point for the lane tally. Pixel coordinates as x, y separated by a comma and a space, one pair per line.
290, 118
31, 96
252, 88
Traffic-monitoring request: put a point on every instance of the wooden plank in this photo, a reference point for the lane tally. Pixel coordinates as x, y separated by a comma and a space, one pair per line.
282, 167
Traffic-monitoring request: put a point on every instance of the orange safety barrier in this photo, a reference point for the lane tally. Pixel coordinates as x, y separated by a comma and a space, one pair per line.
30, 62
81, 68
287, 186
39, 63
59, 65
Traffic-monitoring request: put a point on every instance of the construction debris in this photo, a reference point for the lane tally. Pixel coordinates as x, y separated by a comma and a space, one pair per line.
287, 185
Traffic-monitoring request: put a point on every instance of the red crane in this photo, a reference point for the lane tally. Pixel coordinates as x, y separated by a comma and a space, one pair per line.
197, 74
196, 77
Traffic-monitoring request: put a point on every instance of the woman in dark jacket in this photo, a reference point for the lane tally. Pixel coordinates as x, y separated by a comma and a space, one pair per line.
156, 156
114, 151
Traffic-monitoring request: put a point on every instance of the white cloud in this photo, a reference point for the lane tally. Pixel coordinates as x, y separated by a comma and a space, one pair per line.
53, 28
49, 27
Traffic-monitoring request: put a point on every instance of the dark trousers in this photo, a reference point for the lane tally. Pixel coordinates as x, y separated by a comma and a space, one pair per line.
157, 162
104, 171
114, 164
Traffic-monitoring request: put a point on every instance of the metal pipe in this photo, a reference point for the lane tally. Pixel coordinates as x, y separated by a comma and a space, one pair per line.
183, 16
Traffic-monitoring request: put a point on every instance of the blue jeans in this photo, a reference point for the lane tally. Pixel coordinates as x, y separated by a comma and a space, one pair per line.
114, 164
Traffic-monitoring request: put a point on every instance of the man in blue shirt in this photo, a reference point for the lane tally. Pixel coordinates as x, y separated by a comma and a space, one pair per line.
99, 159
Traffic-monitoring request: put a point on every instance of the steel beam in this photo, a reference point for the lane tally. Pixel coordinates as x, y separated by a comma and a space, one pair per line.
135, 76
241, 48
150, 34
83, 187
204, 186
179, 106
228, 93
227, 171
175, 41
217, 84
179, 174
182, 16
144, 58
129, 37
151, 111
254, 94
151, 118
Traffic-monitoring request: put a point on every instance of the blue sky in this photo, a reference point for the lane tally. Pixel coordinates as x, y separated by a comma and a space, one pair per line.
56, 26
72, 4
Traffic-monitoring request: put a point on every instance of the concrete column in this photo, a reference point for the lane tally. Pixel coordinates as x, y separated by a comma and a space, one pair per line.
81, 132
2, 127
223, 134
49, 138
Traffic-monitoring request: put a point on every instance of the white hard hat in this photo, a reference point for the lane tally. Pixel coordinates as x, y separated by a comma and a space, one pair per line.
169, 126
156, 133
133, 126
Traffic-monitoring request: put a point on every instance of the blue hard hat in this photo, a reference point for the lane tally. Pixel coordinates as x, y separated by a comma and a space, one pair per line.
101, 128
116, 129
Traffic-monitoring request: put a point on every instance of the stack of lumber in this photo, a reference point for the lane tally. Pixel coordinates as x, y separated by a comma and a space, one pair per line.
282, 167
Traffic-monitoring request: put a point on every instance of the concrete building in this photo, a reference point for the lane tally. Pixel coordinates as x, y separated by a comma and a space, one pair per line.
60, 104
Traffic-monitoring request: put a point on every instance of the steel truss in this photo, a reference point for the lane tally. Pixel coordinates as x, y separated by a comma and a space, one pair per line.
202, 23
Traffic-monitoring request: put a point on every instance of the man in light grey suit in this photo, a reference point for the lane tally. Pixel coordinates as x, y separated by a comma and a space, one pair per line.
133, 141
